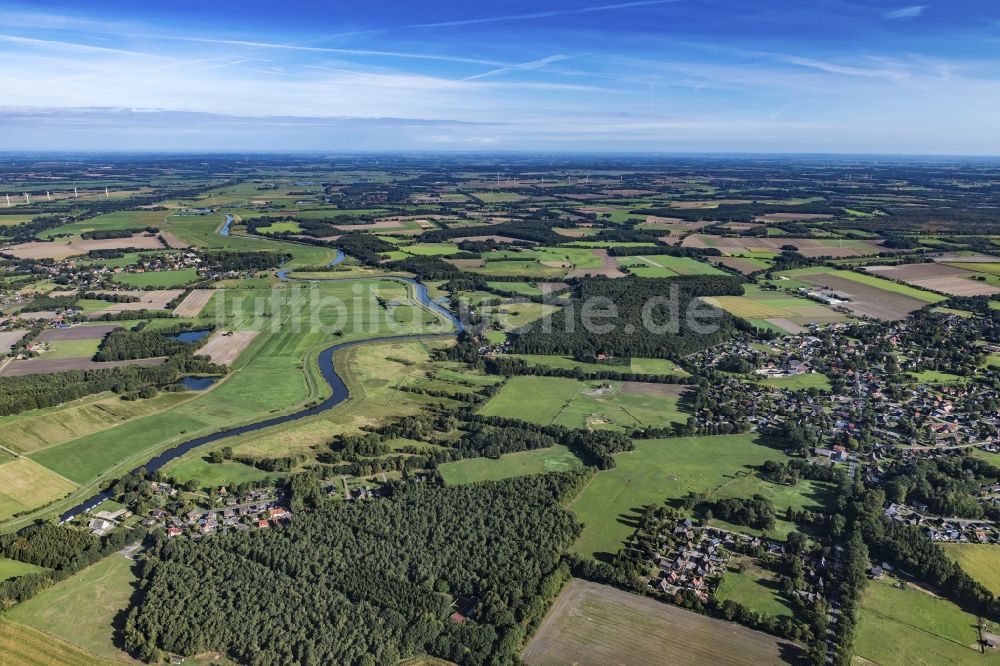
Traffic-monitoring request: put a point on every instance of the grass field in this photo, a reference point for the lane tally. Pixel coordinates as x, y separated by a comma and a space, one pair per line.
645, 366
597, 624
575, 404
981, 561
756, 588
71, 348
655, 266
24, 485
117, 221
667, 469
21, 645
776, 307
85, 608
209, 474
13, 568
164, 279
554, 459
912, 628
805, 380
42, 428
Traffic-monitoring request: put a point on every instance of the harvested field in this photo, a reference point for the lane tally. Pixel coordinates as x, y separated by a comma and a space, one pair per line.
573, 233
786, 324
39, 366
944, 278
172, 240
194, 303
223, 349
609, 267
552, 287
598, 624
966, 257
59, 249
807, 247
41, 314
21, 645
155, 299
866, 299
25, 485
660, 390
739, 264
76, 333
9, 338
378, 224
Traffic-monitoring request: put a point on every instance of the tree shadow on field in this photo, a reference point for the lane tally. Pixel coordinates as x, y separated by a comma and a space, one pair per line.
118, 621
606, 558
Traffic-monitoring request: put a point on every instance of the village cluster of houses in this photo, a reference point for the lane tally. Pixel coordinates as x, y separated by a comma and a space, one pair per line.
942, 529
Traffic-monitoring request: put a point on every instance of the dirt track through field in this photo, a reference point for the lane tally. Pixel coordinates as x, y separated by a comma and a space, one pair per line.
598, 624
609, 267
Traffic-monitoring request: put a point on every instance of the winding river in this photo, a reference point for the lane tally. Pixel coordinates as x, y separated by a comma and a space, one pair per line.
338, 389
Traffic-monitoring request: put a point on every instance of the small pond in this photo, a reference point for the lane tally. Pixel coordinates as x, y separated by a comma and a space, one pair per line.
198, 383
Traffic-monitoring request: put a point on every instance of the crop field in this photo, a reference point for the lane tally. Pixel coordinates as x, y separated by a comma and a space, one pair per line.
224, 348
598, 624
981, 561
194, 303
913, 628
778, 310
42, 365
25, 485
744, 265
539, 461
807, 247
10, 338
21, 645
869, 295
951, 279
84, 609
576, 404
667, 469
38, 429
666, 266
13, 568
61, 248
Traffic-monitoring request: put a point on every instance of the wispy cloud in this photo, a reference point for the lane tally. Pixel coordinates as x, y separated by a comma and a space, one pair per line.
543, 14
534, 64
905, 12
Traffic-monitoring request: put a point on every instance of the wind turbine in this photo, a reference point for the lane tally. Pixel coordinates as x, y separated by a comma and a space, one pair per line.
76, 194
8, 201
48, 196
107, 195
27, 198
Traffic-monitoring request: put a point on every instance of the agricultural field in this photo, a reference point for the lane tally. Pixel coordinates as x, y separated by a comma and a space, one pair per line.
21, 645
539, 461
912, 627
576, 404
775, 310
660, 470
869, 295
660, 266
807, 247
26, 485
981, 561
591, 623
950, 279
646, 366
158, 279
85, 608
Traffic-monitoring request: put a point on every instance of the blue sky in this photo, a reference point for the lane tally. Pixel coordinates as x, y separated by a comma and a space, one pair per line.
859, 76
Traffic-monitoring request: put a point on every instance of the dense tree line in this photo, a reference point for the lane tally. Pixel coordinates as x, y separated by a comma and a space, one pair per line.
105, 234
366, 582
227, 260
